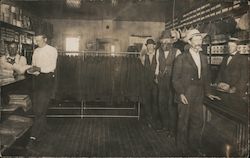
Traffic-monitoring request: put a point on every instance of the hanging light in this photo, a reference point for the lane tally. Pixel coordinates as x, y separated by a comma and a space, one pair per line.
73, 3
114, 2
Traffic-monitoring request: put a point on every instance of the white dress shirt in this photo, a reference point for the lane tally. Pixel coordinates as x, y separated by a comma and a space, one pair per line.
178, 52
230, 57
45, 58
196, 57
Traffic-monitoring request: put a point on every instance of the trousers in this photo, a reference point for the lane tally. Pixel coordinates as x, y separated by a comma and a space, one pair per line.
42, 91
190, 119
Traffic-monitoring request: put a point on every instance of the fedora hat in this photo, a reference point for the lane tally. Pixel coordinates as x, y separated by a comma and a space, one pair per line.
193, 32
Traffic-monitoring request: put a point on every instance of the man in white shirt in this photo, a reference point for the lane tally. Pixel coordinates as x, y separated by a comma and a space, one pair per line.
44, 62
191, 82
14, 61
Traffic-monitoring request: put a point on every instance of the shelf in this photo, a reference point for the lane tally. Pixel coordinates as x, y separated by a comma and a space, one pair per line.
214, 64
9, 108
8, 41
219, 43
217, 54
4, 24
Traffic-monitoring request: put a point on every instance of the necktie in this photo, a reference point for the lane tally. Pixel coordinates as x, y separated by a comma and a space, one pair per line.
10, 60
229, 59
147, 62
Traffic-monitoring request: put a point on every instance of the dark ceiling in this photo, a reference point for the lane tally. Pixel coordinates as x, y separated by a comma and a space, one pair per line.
127, 10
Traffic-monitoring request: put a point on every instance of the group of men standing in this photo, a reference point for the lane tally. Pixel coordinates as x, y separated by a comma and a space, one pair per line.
176, 83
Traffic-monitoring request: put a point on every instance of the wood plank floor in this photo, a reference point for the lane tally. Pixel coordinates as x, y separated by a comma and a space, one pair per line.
102, 137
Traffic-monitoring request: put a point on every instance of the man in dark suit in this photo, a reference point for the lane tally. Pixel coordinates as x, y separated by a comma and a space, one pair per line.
191, 83
165, 56
150, 108
233, 74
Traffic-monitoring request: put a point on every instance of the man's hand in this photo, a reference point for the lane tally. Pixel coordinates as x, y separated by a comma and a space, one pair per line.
212, 97
223, 86
183, 99
156, 79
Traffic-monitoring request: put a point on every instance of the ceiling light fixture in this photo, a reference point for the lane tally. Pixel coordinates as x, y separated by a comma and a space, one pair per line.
114, 2
73, 3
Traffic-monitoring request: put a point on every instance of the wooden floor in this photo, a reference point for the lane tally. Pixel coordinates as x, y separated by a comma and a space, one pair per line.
102, 137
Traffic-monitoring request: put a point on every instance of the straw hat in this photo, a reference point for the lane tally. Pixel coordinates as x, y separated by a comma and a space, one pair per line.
193, 32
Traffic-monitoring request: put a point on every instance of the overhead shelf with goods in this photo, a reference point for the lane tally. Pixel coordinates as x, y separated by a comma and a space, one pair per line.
208, 12
220, 20
19, 26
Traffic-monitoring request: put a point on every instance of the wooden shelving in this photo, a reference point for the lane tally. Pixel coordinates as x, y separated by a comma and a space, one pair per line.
208, 12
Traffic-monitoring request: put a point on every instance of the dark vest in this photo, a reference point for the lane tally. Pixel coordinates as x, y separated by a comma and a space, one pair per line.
166, 65
150, 68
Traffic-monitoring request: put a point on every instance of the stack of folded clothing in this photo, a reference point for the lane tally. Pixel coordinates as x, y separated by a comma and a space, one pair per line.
6, 75
20, 101
6, 140
15, 126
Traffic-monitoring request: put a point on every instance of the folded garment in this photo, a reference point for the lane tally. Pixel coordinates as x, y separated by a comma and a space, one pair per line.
18, 96
4, 80
19, 119
25, 104
14, 128
7, 73
6, 130
22, 101
6, 140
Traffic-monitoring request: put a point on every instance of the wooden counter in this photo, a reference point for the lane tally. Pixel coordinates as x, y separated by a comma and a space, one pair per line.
232, 108
16, 79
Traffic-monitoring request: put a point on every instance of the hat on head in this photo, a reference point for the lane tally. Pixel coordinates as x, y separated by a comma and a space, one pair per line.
150, 41
233, 39
193, 32
165, 34
175, 33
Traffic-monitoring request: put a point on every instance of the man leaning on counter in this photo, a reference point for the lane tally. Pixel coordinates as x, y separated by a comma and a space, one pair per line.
233, 74
12, 61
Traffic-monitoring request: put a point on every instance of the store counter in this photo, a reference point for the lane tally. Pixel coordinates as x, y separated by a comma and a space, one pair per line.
234, 109
4, 82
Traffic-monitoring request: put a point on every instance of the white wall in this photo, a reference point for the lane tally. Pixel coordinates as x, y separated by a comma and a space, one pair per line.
92, 29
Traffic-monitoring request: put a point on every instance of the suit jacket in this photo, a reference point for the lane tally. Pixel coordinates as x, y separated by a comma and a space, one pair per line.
185, 73
235, 73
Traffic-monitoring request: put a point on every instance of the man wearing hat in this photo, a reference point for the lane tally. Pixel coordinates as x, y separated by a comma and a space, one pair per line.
165, 57
191, 83
233, 74
148, 60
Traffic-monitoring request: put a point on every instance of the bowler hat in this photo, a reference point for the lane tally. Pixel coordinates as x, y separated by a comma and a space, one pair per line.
233, 39
150, 41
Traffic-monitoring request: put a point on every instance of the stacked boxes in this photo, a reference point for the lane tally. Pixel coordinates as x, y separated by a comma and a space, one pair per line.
20, 100
217, 49
14, 15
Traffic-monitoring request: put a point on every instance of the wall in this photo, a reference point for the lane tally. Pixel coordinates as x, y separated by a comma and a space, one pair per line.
89, 30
